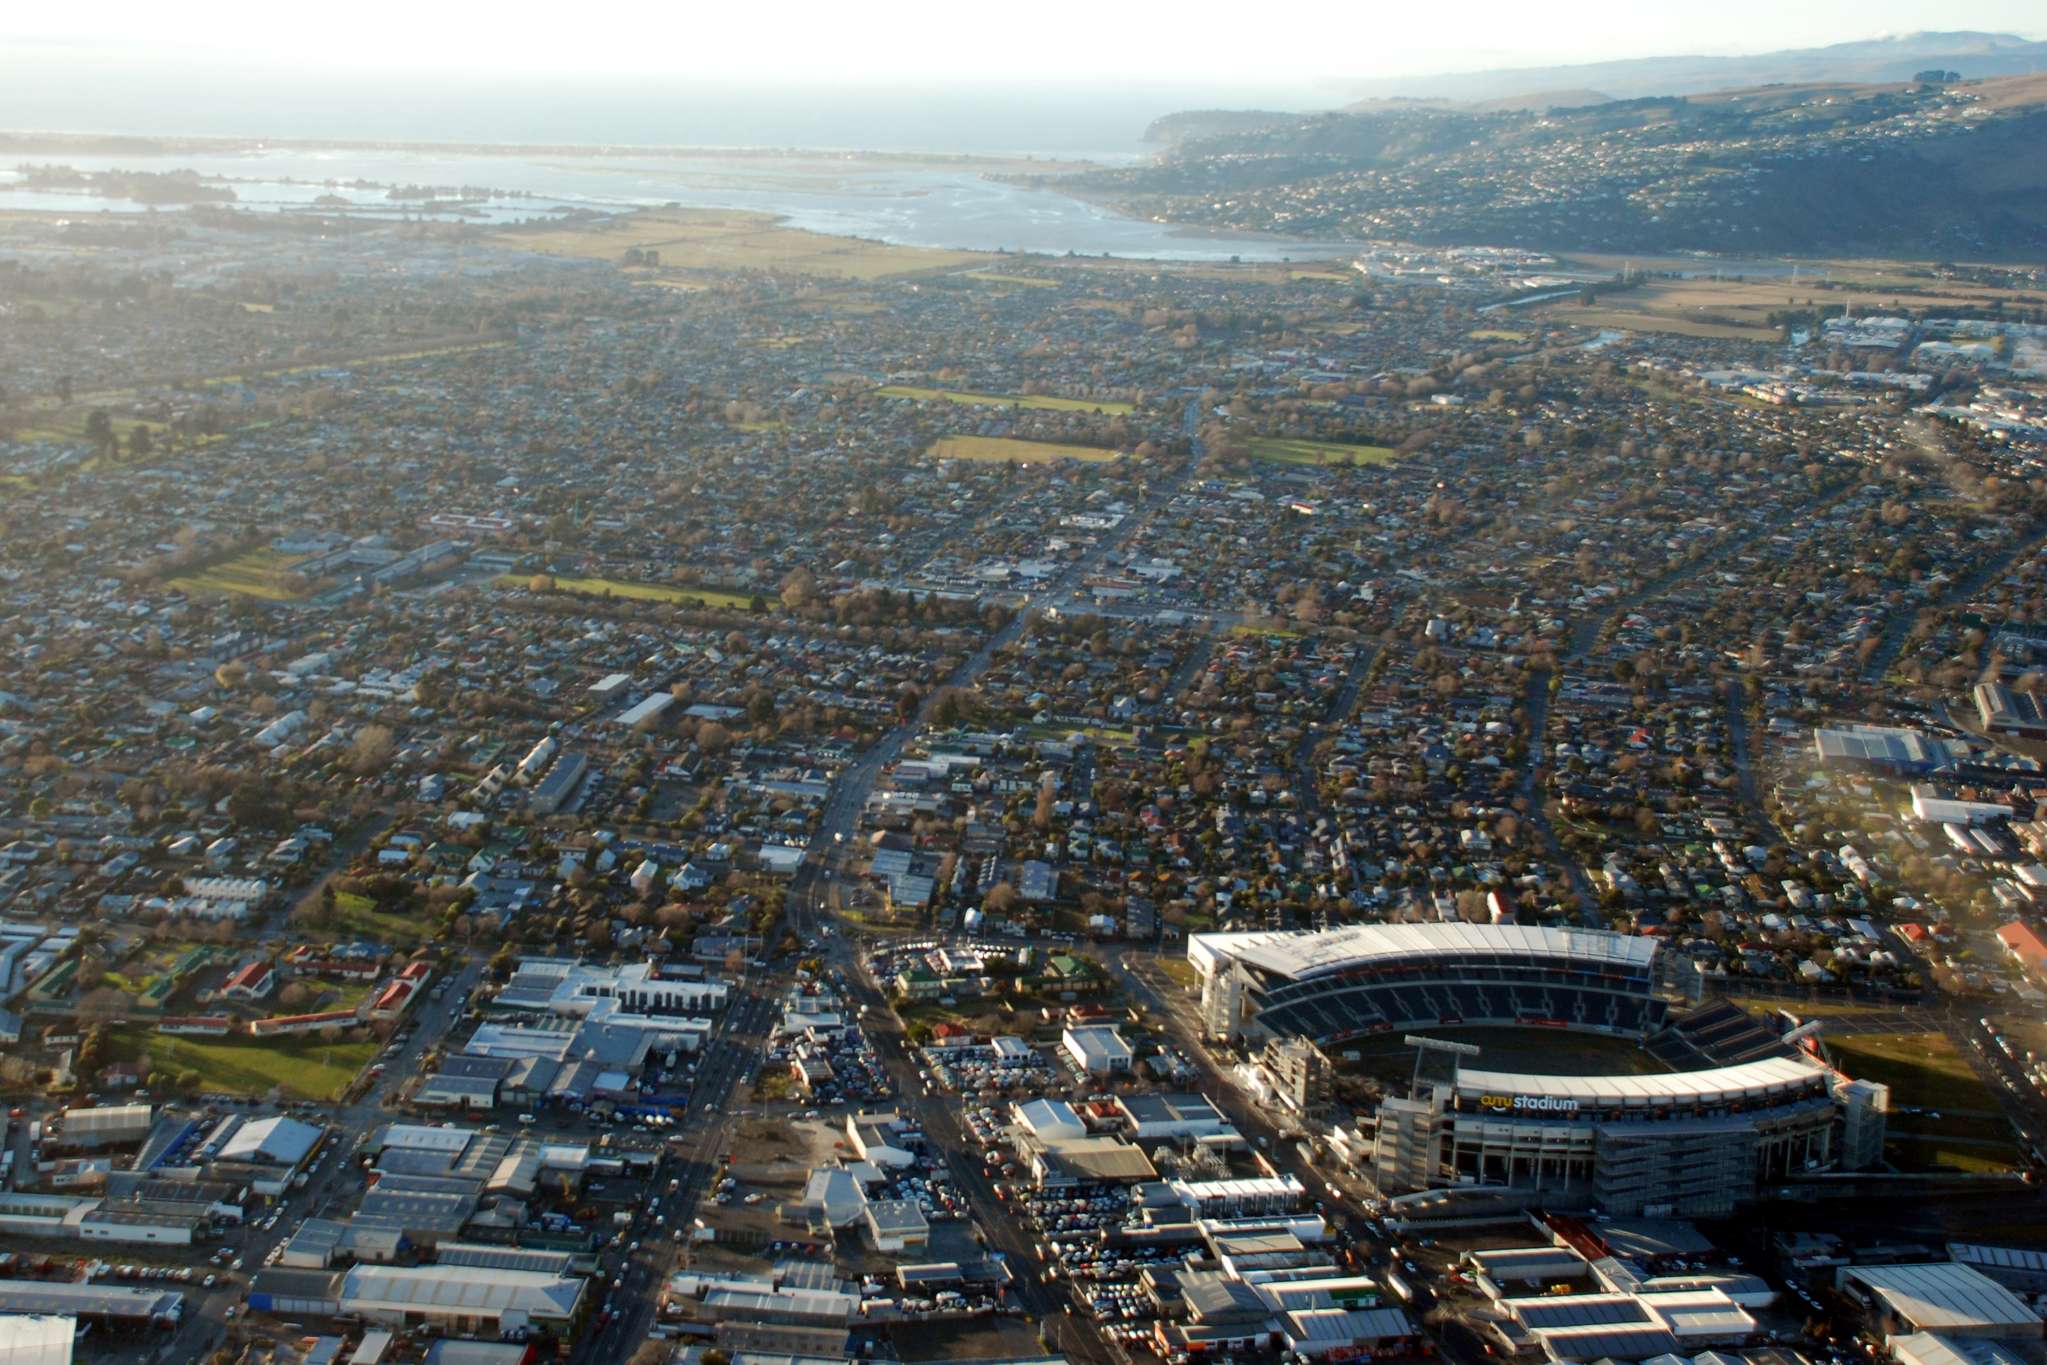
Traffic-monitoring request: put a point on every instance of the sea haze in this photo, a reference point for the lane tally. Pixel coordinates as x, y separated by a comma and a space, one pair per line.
68, 89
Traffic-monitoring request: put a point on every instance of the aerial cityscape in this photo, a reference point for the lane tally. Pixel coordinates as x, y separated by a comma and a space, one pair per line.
1344, 707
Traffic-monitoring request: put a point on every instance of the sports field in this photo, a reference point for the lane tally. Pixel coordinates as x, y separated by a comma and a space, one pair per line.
1002, 448
1041, 402
634, 592
1284, 450
260, 573
1536, 1051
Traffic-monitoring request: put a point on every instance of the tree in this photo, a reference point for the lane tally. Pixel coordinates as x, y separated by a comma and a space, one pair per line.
372, 750
799, 589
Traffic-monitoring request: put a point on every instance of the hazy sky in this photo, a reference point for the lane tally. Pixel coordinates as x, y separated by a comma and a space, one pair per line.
1167, 40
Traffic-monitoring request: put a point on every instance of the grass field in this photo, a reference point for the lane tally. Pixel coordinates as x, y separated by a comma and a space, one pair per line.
998, 277
1927, 1073
638, 592
1922, 1154
303, 1067
1738, 309
1002, 448
1282, 450
1497, 334
1041, 402
259, 573
359, 915
1923, 1070
686, 240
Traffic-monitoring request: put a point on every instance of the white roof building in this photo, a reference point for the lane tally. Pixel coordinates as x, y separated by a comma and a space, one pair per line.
506, 1298
36, 1339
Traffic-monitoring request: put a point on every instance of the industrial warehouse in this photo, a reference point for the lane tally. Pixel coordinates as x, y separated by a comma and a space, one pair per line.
1740, 1107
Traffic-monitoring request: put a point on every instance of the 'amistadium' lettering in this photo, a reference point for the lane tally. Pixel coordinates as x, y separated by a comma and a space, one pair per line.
1528, 1104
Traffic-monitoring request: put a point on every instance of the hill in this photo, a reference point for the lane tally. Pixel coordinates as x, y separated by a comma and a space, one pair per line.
1972, 55
1903, 168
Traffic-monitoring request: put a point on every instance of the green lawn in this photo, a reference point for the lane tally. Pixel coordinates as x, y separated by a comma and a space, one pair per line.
302, 1066
1923, 1070
359, 915
1042, 402
1926, 1154
1283, 450
1004, 449
635, 592
1180, 972
259, 573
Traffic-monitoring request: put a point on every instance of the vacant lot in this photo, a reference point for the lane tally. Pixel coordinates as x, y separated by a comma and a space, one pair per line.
1002, 448
359, 915
303, 1067
1042, 402
1283, 450
258, 573
636, 592
684, 240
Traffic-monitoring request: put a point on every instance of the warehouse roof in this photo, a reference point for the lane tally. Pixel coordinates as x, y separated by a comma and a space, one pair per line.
1942, 1296
1346, 1325
1933, 1348
460, 1290
277, 1141
36, 1339
111, 1118
85, 1300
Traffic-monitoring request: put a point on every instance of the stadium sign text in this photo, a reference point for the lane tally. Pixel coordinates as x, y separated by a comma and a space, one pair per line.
1528, 1104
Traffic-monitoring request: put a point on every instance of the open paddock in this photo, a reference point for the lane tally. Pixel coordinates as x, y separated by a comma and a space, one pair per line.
690, 240
676, 594
1036, 401
262, 573
1286, 450
1002, 449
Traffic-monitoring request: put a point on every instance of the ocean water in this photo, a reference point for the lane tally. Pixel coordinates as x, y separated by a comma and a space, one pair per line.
828, 189
913, 204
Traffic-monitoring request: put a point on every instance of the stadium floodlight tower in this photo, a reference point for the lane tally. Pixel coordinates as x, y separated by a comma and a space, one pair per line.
1436, 1061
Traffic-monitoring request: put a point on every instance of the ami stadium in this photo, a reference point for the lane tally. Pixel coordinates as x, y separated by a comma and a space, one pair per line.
1737, 1109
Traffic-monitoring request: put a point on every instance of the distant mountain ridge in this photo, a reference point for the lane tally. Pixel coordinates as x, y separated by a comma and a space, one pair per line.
1973, 55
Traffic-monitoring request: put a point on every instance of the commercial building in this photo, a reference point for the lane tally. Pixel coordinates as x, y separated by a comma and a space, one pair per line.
2005, 711
1942, 1297
37, 1339
1098, 1049
463, 1299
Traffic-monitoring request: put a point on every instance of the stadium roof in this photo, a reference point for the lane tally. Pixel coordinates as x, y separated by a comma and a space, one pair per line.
1750, 1080
1944, 1296
1311, 953
277, 1141
36, 1339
